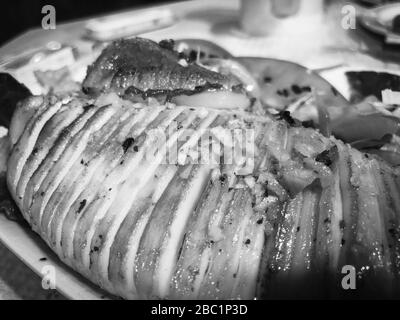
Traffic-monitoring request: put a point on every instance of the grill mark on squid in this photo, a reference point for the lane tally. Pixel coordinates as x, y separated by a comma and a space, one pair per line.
53, 155
83, 168
127, 164
47, 137
108, 160
196, 124
26, 143
71, 153
103, 194
110, 223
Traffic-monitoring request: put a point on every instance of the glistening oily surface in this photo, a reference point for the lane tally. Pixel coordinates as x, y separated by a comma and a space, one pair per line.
308, 205
147, 193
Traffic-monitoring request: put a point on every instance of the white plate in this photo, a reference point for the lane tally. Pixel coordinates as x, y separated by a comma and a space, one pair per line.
33, 251
28, 247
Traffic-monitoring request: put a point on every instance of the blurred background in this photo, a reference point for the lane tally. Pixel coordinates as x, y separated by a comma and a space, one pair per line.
19, 15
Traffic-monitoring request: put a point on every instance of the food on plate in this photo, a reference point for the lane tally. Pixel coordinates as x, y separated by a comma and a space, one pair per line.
143, 68
150, 229
283, 82
371, 83
363, 121
199, 49
286, 86
57, 81
277, 83
145, 64
150, 188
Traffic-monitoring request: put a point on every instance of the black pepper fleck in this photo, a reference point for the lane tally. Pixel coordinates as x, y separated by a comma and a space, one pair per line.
87, 107
81, 205
392, 232
267, 79
167, 44
127, 143
328, 156
285, 115
308, 124
296, 89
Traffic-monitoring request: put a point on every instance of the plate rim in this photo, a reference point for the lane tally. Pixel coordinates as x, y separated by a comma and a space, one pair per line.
31, 252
